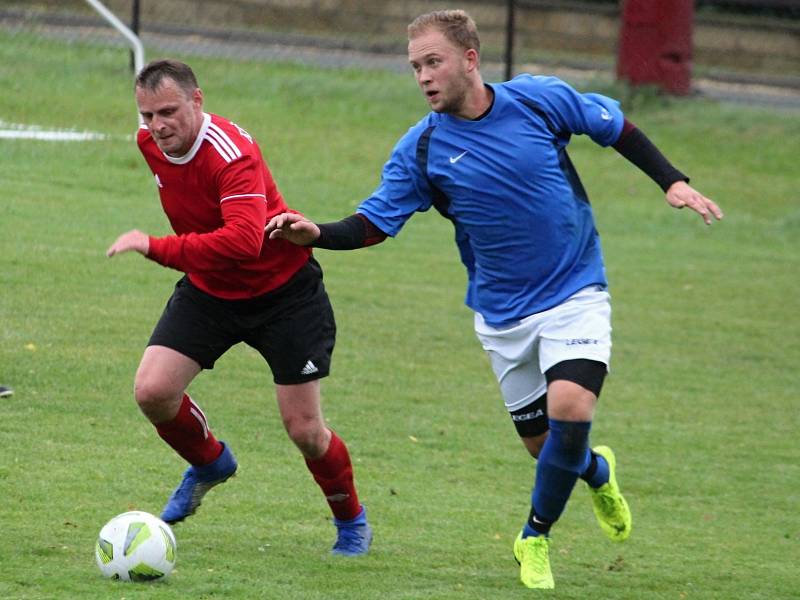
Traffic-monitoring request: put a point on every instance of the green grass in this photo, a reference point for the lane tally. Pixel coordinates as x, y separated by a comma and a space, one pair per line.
700, 406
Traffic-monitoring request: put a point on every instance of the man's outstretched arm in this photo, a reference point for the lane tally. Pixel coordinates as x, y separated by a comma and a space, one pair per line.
634, 145
355, 231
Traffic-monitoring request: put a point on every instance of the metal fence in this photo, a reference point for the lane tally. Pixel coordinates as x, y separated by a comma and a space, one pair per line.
732, 38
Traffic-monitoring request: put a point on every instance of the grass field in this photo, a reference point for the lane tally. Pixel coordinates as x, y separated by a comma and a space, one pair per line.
700, 406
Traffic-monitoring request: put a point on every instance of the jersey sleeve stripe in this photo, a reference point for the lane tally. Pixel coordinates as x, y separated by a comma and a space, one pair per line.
222, 152
214, 135
244, 196
225, 139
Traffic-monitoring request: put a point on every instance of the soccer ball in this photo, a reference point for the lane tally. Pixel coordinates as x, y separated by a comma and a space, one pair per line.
135, 546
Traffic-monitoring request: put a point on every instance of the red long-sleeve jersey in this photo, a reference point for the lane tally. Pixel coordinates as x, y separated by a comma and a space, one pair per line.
218, 198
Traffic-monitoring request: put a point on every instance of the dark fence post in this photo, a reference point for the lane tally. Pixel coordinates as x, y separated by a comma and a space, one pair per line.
510, 40
134, 29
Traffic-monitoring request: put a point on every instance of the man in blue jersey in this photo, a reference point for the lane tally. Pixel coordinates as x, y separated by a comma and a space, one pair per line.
492, 159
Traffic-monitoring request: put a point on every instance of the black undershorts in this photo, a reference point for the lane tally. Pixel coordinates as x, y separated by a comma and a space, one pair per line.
531, 420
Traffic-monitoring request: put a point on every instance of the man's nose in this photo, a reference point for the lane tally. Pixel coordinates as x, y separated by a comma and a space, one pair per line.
424, 75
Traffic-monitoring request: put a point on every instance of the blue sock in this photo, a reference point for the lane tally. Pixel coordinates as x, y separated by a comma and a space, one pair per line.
564, 456
597, 473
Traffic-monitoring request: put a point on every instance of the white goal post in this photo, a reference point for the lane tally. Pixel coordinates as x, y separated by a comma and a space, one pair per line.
133, 39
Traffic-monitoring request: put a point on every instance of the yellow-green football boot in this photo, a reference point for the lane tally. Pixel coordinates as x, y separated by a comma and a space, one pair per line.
533, 555
609, 505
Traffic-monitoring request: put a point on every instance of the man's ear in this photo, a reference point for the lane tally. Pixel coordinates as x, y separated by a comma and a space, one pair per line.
473, 59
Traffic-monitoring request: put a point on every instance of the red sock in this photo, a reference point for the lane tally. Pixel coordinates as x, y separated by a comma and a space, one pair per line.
334, 474
189, 436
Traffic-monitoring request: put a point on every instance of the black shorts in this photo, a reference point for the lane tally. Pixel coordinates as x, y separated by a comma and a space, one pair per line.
292, 326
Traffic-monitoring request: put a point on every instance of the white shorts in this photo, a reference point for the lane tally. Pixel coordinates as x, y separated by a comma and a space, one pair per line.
580, 327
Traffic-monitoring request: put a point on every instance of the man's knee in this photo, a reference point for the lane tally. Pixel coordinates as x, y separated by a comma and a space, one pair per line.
569, 441
308, 433
158, 400
161, 380
302, 417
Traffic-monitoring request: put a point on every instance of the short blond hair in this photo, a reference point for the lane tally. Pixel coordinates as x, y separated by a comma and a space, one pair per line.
456, 25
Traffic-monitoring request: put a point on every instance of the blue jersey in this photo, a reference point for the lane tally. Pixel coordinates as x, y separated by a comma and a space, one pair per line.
523, 223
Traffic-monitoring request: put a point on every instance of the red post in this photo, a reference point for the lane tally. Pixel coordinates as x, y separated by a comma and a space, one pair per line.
655, 44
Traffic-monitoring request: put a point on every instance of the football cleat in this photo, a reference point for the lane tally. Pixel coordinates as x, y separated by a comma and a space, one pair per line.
533, 555
353, 537
609, 505
5, 391
197, 480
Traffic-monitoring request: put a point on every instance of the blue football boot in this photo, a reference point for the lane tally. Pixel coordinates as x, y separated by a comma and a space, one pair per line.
196, 483
353, 537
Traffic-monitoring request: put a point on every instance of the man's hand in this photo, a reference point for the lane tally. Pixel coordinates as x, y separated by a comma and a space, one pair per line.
681, 194
134, 240
293, 228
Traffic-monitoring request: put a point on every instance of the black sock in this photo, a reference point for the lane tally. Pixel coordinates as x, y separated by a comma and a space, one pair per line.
592, 468
538, 524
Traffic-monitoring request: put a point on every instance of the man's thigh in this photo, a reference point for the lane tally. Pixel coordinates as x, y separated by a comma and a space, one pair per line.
579, 328
514, 355
296, 336
165, 369
195, 325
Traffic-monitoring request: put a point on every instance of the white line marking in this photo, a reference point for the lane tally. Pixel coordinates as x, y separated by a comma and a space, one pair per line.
51, 136
17, 131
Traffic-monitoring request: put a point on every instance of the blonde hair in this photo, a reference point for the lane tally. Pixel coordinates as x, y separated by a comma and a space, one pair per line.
456, 25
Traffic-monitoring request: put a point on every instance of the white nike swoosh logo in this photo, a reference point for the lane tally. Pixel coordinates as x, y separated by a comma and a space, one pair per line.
455, 159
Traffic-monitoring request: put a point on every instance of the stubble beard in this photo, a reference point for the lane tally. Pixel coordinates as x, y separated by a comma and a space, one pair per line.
455, 104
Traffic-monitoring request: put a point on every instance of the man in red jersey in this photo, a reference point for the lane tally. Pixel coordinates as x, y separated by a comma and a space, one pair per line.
239, 286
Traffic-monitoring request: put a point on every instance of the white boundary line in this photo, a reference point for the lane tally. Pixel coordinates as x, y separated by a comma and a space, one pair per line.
51, 136
13, 131
18, 131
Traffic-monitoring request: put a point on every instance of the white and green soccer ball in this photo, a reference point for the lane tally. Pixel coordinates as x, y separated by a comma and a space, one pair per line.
135, 546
